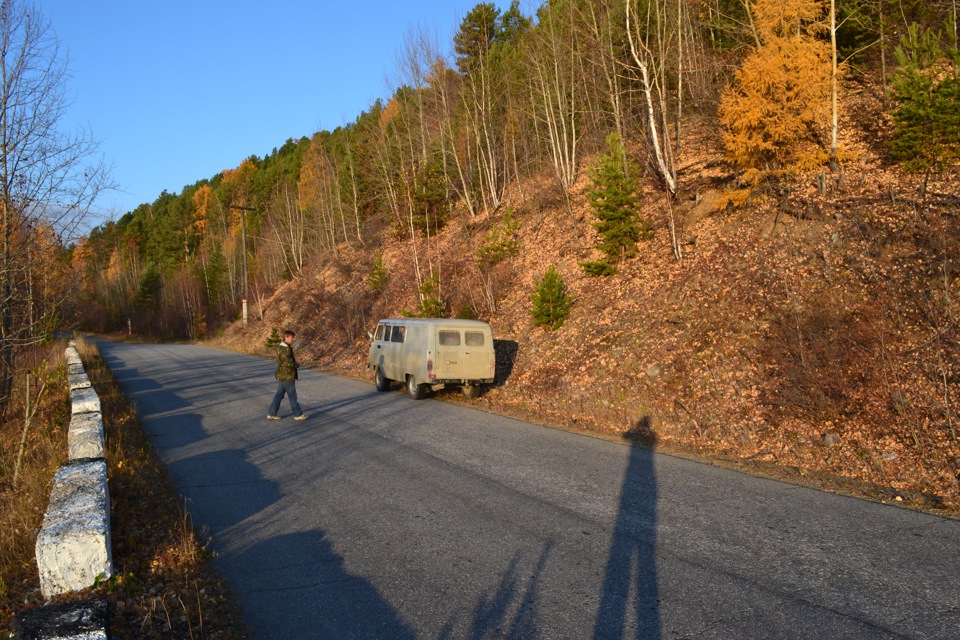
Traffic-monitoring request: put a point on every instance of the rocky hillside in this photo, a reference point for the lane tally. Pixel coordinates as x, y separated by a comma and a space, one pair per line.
811, 329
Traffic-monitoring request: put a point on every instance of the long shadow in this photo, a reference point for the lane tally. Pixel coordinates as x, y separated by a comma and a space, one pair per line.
303, 590
629, 603
506, 351
510, 611
223, 487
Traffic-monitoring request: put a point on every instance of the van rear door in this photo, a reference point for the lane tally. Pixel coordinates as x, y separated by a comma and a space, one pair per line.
449, 365
477, 354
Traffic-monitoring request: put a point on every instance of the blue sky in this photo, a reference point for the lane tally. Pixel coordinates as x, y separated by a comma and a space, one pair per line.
179, 91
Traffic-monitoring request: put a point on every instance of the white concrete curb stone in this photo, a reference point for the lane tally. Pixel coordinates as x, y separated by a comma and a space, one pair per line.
85, 436
73, 547
78, 381
84, 400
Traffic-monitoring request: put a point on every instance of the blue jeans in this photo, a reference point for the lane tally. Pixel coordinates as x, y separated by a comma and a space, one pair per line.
290, 389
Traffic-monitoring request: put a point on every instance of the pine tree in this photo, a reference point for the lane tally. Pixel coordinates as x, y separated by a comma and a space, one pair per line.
431, 306
274, 339
613, 195
551, 304
379, 276
926, 89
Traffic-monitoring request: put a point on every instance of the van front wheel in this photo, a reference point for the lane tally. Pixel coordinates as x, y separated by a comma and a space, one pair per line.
382, 382
416, 390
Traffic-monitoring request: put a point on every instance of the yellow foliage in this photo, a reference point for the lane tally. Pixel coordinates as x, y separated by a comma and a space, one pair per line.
787, 18
315, 170
203, 199
389, 112
732, 199
779, 102
242, 177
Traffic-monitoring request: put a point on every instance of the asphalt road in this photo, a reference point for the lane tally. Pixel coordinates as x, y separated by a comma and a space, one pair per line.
384, 517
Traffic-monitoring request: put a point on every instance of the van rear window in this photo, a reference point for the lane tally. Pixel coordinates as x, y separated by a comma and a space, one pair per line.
449, 338
474, 339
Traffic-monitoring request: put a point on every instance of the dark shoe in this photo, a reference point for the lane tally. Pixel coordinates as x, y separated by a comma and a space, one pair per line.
273, 417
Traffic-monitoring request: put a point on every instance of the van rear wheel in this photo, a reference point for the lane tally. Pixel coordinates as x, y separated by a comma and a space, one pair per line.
416, 390
471, 391
382, 381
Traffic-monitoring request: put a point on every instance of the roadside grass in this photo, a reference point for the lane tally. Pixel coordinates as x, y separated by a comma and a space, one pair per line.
40, 449
164, 584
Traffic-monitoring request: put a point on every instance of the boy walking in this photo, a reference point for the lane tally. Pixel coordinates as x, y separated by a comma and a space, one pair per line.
286, 379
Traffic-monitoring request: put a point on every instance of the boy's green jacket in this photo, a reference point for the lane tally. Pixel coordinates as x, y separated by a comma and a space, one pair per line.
286, 363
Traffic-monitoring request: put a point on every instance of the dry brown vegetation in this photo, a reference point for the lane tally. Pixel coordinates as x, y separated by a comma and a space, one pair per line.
810, 332
164, 585
44, 448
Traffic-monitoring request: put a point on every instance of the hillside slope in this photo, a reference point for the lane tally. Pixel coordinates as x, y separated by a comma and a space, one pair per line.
814, 327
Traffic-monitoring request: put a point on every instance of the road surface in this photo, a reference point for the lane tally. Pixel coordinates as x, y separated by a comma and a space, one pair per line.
384, 517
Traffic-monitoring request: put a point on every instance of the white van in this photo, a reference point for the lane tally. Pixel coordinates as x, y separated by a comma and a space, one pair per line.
429, 353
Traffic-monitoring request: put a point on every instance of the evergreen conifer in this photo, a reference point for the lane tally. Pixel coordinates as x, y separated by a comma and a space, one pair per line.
926, 89
551, 304
613, 196
274, 339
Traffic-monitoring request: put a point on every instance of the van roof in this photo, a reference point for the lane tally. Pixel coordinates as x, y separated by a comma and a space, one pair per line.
436, 322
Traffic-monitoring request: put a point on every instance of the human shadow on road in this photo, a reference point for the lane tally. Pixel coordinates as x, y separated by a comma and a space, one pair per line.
630, 578
296, 586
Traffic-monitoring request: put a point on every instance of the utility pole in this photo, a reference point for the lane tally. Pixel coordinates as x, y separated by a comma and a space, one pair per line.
243, 240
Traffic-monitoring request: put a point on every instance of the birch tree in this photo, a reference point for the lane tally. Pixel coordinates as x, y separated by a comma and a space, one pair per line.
652, 37
48, 177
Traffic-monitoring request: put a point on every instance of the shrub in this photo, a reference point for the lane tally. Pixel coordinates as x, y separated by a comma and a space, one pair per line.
378, 277
551, 304
431, 306
500, 242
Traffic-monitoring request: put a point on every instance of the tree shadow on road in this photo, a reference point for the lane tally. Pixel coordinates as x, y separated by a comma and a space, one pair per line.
222, 487
510, 611
629, 602
296, 586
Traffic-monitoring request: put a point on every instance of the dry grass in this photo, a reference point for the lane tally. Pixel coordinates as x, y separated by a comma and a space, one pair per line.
45, 448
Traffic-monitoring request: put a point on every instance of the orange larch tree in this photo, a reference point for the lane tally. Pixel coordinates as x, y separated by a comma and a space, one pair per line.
778, 104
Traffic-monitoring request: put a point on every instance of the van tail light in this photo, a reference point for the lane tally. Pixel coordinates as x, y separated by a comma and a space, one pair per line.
493, 368
430, 373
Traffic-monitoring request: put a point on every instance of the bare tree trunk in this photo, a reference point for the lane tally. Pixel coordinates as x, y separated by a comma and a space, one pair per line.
834, 117
658, 141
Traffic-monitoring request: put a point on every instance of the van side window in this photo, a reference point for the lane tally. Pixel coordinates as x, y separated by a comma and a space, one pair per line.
398, 334
379, 333
449, 338
474, 339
